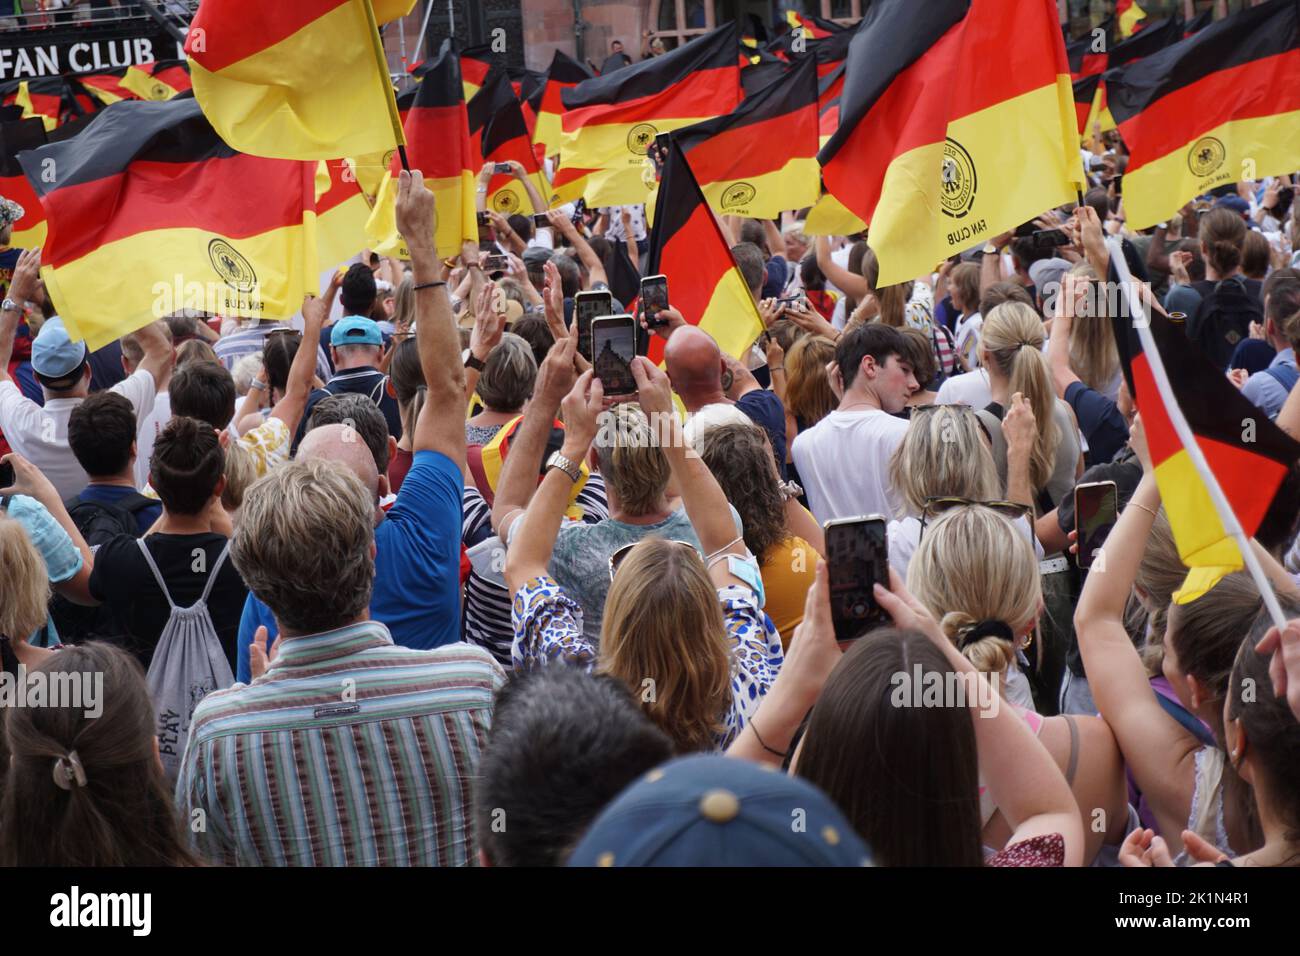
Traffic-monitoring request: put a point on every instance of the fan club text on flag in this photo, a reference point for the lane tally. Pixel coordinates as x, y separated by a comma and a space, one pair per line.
52, 59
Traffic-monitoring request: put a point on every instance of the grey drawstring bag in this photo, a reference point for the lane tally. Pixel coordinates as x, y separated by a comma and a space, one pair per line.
188, 664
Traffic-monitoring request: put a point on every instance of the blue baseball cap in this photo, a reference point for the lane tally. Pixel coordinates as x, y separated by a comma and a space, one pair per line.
1235, 203
707, 810
54, 354
356, 330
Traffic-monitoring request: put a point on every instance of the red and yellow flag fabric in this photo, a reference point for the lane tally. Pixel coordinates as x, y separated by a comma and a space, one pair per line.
760, 159
1129, 16
475, 64
503, 138
438, 144
1247, 453
687, 246
341, 213
611, 121
29, 231
957, 122
293, 79
151, 212
1220, 106
158, 80
564, 73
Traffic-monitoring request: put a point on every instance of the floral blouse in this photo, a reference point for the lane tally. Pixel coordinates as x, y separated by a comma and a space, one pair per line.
548, 629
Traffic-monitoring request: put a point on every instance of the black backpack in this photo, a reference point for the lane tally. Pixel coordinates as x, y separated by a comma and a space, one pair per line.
1223, 319
98, 523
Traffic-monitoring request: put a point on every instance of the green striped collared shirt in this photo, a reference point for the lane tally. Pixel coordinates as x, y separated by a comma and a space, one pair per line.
349, 751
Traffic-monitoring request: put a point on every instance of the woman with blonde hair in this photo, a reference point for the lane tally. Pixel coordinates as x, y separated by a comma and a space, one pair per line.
1011, 350
1093, 354
808, 394
24, 596
978, 576
686, 635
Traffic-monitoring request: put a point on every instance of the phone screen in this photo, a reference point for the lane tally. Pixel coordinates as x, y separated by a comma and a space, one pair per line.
1096, 509
613, 342
588, 306
857, 558
502, 168
496, 264
6, 475
484, 228
541, 221
654, 297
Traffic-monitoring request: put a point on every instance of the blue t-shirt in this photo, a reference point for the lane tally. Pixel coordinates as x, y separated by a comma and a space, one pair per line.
417, 564
62, 557
765, 409
113, 494
1099, 419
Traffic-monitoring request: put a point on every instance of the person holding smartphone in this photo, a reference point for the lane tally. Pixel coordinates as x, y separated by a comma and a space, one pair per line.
664, 599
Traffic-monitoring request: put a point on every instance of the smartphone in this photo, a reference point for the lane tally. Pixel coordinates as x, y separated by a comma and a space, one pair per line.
1096, 509
502, 169
613, 341
496, 264
1050, 237
1118, 183
857, 557
6, 475
540, 221
586, 307
484, 227
654, 297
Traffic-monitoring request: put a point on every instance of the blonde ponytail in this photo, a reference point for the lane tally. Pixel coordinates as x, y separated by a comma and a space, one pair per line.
1012, 335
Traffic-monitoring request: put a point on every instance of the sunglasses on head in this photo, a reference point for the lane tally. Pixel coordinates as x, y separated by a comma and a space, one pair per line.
938, 504
619, 554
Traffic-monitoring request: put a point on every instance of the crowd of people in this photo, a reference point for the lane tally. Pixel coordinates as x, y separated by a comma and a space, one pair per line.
397, 583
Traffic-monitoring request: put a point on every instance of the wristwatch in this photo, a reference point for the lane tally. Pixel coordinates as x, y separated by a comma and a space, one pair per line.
570, 468
474, 362
10, 305
990, 249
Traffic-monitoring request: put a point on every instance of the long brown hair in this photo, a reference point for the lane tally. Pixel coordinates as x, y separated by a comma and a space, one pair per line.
906, 777
123, 813
808, 392
741, 459
1222, 233
664, 637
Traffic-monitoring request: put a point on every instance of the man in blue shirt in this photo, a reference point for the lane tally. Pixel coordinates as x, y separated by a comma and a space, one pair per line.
1268, 390
417, 540
101, 434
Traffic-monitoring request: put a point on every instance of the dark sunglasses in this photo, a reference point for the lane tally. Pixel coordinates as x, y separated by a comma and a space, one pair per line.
938, 504
619, 554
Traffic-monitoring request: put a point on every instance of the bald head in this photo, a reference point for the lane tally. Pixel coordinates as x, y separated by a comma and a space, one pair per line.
694, 364
342, 444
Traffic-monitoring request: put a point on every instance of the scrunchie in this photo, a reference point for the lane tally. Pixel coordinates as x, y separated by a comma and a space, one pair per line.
68, 770
986, 629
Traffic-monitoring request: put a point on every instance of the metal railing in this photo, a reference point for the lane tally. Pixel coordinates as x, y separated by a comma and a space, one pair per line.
81, 13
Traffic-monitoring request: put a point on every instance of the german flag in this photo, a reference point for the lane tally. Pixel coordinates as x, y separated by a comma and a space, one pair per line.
1152, 39
107, 87
438, 144
570, 184
1086, 91
687, 246
293, 80
54, 99
1085, 59
1129, 16
475, 64
957, 122
158, 80
528, 86
611, 121
1194, 113
504, 138
1249, 466
29, 231
1199, 22
813, 27
564, 73
341, 213
151, 212
760, 159
758, 76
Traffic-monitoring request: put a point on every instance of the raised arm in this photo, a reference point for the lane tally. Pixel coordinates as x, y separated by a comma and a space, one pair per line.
1157, 750
441, 423
1023, 779
489, 325
854, 286
518, 480
21, 288
595, 268
529, 555
517, 170
31, 481
1058, 344
297, 385
158, 352
702, 496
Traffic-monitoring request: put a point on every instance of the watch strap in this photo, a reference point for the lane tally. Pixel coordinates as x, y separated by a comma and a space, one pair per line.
475, 363
569, 467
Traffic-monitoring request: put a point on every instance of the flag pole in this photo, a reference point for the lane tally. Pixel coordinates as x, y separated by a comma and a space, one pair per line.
1142, 324
382, 61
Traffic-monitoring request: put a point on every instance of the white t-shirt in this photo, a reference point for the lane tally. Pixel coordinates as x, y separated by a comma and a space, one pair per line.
843, 463
150, 427
41, 434
969, 388
967, 334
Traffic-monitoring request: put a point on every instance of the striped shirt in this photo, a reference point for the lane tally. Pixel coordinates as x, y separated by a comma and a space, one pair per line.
349, 751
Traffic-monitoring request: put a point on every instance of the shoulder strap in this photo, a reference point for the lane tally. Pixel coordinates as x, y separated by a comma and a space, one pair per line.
216, 569
157, 575
136, 502
1284, 375
1073, 764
